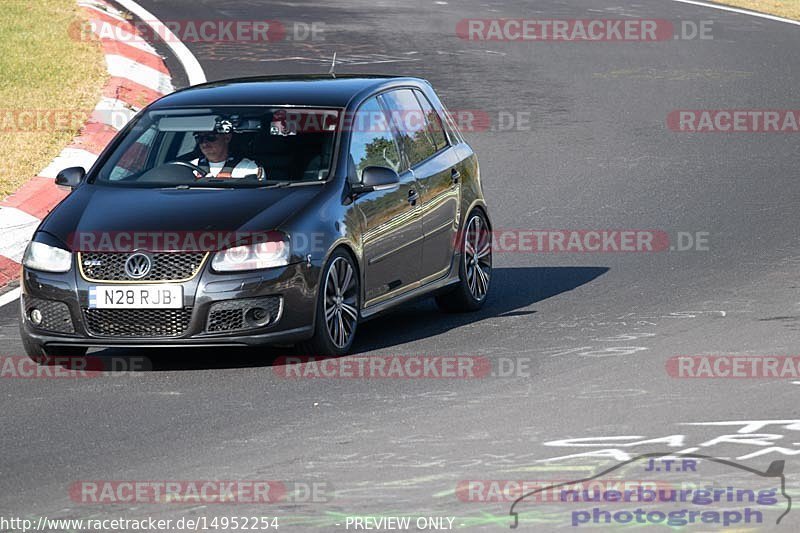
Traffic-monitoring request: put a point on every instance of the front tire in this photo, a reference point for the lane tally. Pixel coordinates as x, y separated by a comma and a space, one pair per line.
474, 270
337, 308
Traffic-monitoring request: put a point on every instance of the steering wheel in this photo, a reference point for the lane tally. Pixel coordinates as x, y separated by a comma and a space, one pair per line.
192, 166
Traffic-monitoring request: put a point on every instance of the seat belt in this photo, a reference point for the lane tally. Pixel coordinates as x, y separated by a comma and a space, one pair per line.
227, 170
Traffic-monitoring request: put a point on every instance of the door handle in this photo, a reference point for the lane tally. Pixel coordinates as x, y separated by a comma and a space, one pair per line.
413, 196
454, 176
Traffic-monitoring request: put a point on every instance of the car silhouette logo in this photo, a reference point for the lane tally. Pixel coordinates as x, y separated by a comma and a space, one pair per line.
138, 266
775, 471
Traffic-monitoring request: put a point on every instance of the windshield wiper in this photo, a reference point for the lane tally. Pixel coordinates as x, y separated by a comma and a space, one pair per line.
226, 184
186, 186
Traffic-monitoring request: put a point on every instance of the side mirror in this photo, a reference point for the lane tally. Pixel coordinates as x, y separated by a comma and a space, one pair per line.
376, 179
70, 177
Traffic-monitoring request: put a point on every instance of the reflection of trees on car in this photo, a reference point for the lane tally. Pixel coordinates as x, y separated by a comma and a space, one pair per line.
435, 129
417, 147
379, 153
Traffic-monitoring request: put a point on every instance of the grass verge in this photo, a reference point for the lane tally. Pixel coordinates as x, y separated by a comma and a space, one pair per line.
46, 74
789, 9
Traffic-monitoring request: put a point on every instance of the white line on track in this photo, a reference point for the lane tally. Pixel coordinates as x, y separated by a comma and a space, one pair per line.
10, 296
69, 157
123, 67
18, 231
740, 11
190, 64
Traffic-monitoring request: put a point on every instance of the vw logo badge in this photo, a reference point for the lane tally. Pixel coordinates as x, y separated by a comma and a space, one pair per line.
138, 266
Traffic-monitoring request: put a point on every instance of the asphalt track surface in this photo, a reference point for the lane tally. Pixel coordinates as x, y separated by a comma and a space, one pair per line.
597, 328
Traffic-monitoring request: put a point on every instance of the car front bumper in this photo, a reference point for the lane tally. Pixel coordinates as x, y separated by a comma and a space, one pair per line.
293, 289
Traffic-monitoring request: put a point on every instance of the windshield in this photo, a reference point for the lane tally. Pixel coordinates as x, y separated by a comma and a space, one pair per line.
224, 147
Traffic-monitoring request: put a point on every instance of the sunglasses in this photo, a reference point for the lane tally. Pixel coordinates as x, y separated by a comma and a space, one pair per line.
205, 137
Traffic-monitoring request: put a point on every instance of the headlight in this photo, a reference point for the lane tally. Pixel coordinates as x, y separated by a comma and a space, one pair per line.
40, 256
252, 257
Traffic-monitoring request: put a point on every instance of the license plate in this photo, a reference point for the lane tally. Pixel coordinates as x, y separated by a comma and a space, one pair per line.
136, 297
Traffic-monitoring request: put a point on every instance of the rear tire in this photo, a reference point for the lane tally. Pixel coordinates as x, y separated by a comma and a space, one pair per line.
474, 268
337, 308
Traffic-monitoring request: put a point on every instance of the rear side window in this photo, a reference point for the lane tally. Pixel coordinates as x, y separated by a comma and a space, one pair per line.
409, 120
372, 142
450, 126
433, 122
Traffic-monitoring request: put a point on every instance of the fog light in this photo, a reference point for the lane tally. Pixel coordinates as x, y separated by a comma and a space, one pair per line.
257, 316
36, 316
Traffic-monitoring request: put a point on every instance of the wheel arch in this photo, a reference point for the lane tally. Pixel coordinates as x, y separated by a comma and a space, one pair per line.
350, 249
479, 205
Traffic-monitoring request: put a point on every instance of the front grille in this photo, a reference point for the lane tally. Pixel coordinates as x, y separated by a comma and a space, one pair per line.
166, 266
55, 315
137, 322
232, 315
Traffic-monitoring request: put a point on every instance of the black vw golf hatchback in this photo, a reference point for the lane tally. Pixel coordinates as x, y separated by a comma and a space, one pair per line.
257, 211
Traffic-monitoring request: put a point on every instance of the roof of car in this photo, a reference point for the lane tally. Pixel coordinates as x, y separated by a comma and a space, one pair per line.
307, 90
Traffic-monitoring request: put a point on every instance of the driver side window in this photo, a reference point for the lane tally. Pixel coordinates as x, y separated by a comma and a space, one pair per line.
371, 140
